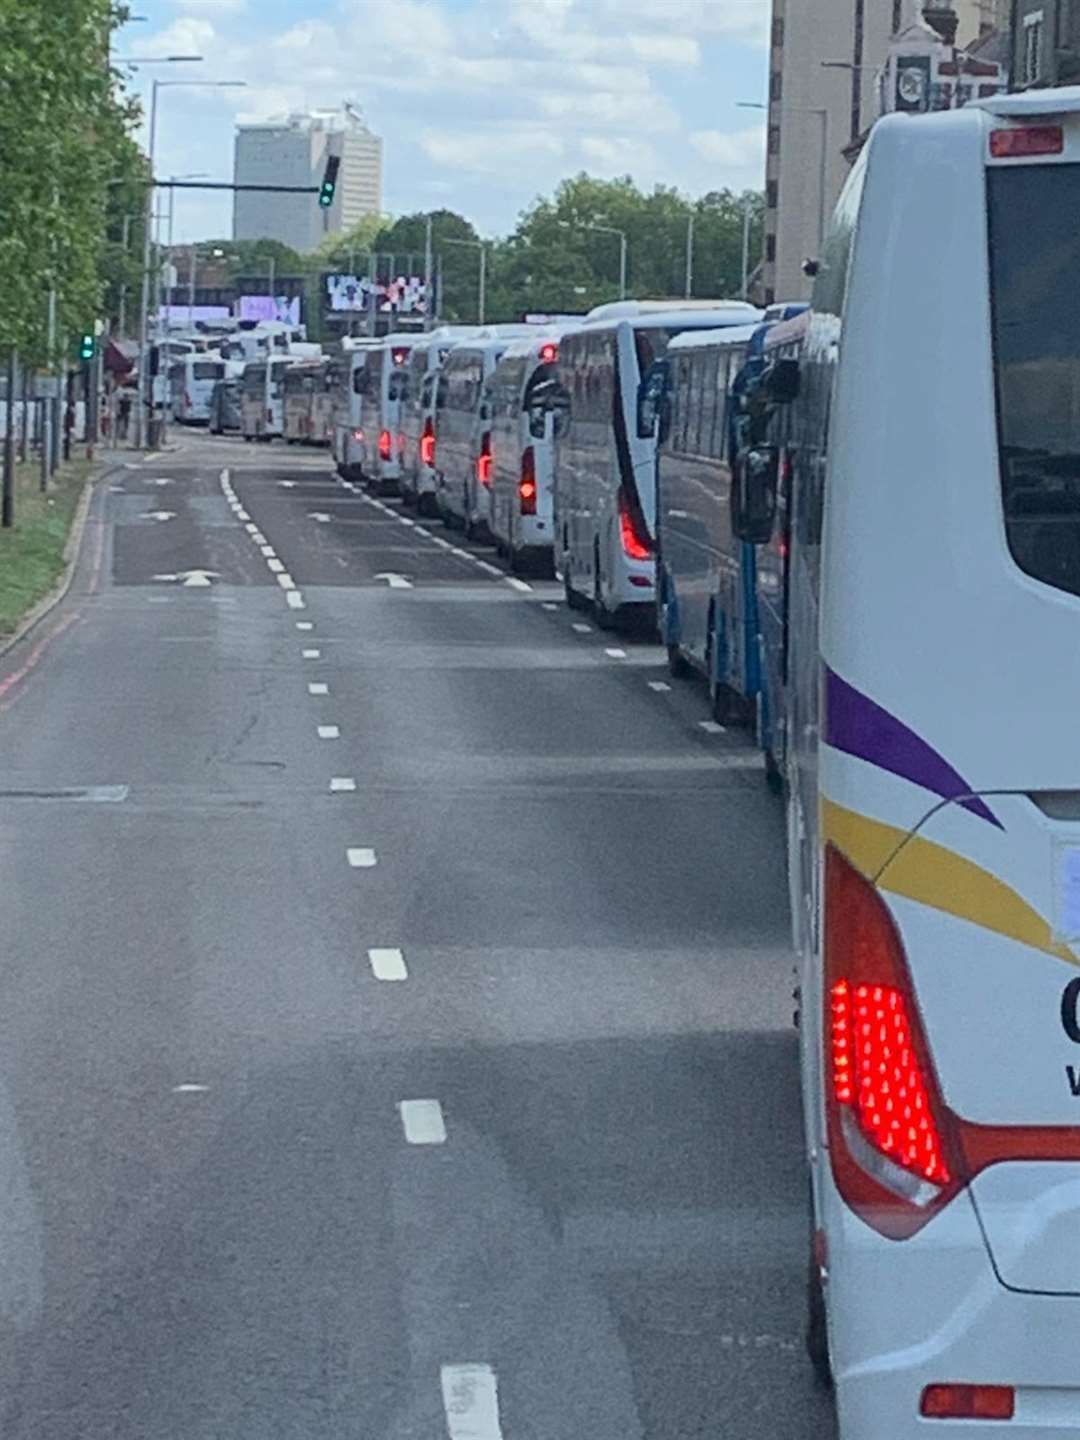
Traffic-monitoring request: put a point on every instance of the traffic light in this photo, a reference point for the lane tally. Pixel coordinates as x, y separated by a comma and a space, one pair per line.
329, 181
87, 346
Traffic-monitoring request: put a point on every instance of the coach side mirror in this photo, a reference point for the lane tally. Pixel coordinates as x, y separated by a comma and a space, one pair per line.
651, 393
782, 382
753, 493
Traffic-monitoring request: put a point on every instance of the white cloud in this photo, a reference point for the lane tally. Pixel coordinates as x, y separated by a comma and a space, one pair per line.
608, 158
737, 148
472, 149
666, 49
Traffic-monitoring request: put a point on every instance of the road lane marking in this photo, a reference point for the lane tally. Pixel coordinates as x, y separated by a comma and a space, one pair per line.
361, 857
581, 627
615, 653
319, 516
311, 654
285, 581
405, 520
491, 569
471, 1401
190, 1089
712, 727
276, 566
258, 537
517, 584
268, 551
444, 544
388, 964
295, 600
395, 582
549, 605
318, 688
252, 528
328, 732
461, 554
660, 686
421, 531
342, 784
422, 1121
242, 515
304, 625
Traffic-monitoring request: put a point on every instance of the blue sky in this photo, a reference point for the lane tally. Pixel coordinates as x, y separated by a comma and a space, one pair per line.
482, 104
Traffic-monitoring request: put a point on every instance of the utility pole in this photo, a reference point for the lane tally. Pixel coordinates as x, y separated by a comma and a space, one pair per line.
50, 415
269, 352
690, 257
191, 284
429, 311
481, 306
7, 518
122, 317
745, 248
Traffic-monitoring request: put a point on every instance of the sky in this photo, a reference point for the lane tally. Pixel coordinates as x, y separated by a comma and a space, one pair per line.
482, 104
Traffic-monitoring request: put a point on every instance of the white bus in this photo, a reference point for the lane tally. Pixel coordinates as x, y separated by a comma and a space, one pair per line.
605, 481
350, 383
418, 471
307, 402
262, 395
191, 384
525, 415
459, 393
934, 772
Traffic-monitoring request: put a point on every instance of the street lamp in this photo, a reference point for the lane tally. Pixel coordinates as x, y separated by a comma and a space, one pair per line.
480, 245
144, 358
605, 230
823, 115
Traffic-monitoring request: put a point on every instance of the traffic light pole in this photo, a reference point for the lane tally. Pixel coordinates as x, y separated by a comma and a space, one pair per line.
7, 510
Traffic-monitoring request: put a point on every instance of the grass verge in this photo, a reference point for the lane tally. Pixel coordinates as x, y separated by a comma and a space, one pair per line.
32, 551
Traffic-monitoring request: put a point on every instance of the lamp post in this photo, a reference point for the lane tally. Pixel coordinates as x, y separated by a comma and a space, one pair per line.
480, 245
144, 358
823, 115
605, 230
690, 256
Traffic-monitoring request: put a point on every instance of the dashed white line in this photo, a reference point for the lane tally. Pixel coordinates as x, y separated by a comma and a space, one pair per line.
444, 544
581, 627
267, 550
660, 686
285, 581
388, 964
252, 528
242, 515
422, 1121
404, 519
318, 688
462, 554
190, 1089
712, 727
258, 537
276, 566
311, 654
549, 605
471, 1401
342, 784
614, 653
517, 584
304, 624
420, 530
328, 732
491, 569
360, 857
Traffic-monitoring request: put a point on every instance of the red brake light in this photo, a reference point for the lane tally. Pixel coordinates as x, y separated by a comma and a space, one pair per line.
549, 353
888, 1139
427, 445
635, 545
386, 444
527, 483
968, 1402
400, 355
483, 461
1024, 140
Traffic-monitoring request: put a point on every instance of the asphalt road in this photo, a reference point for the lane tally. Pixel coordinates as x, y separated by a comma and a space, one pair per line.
395, 1014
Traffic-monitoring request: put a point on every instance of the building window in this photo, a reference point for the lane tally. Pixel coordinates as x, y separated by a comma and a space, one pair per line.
772, 195
775, 86
1031, 41
774, 139
770, 249
778, 34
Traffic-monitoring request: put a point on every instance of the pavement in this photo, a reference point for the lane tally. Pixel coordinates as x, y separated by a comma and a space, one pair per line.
395, 1009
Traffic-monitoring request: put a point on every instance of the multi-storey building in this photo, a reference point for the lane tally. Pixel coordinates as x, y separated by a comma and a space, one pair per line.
826, 64
292, 151
1045, 43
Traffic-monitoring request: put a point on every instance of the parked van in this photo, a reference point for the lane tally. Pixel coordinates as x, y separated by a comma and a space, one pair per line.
350, 383
192, 378
458, 398
934, 772
262, 414
418, 478
605, 471
521, 452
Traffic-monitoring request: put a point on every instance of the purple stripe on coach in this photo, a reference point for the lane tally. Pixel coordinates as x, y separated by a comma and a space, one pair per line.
859, 726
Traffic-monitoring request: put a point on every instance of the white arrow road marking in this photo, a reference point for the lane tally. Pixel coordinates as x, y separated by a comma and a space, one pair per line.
471, 1401
160, 515
711, 727
287, 484
319, 515
191, 577
395, 582
360, 857
660, 686
517, 584
422, 1121
388, 964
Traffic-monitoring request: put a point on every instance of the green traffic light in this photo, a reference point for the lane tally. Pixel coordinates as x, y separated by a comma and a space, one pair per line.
87, 346
329, 182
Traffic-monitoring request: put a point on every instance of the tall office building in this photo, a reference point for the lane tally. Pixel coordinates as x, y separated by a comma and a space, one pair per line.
292, 150
826, 62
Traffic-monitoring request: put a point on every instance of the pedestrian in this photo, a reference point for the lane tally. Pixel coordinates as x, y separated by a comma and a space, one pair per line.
124, 417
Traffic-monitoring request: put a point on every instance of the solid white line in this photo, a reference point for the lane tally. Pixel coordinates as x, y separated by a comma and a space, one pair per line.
311, 654
471, 1401
581, 627
491, 569
615, 653
328, 732
518, 584
660, 686
422, 1121
341, 784
549, 605
360, 857
276, 566
285, 581
267, 550
405, 520
304, 624
388, 964
712, 727
463, 554
318, 688
438, 540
